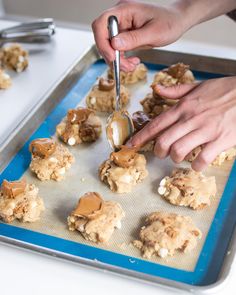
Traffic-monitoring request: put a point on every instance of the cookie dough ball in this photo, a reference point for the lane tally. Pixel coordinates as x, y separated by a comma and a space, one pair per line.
5, 80
50, 160
186, 187
15, 58
102, 97
123, 170
19, 200
80, 125
165, 233
140, 120
176, 74
140, 73
227, 155
154, 104
95, 218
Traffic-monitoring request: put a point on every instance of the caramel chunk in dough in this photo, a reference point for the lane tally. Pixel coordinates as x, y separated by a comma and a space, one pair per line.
95, 218
89, 205
43, 147
123, 170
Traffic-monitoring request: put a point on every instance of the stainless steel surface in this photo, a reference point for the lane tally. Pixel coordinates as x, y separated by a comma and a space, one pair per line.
39, 31
23, 131
117, 139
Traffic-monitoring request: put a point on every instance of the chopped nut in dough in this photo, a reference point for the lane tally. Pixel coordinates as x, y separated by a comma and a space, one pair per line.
140, 73
186, 187
50, 160
165, 233
123, 170
19, 200
95, 218
80, 125
102, 97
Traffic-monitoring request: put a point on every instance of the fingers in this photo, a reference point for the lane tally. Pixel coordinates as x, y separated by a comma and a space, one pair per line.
157, 125
130, 40
128, 64
208, 154
182, 147
175, 92
173, 134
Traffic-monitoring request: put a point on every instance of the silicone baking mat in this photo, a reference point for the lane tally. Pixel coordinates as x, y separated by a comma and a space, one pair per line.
216, 222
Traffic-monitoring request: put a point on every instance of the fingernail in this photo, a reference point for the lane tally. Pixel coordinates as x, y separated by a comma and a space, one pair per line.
119, 43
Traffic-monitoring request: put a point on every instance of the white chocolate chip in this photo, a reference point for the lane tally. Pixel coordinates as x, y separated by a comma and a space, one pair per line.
126, 178
93, 100
73, 119
161, 190
82, 179
163, 182
163, 252
5, 76
71, 141
21, 58
53, 160
118, 225
62, 171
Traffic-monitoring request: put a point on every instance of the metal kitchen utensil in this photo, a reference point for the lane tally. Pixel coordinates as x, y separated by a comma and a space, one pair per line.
39, 31
119, 124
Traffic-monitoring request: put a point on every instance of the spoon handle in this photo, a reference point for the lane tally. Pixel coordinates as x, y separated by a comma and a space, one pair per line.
113, 31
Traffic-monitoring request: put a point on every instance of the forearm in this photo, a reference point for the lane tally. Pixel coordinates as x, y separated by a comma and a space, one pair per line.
198, 11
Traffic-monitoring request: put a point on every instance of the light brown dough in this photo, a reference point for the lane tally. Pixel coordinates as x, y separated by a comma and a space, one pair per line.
186, 187
14, 57
95, 218
103, 99
5, 80
140, 73
19, 200
165, 233
52, 164
80, 125
123, 170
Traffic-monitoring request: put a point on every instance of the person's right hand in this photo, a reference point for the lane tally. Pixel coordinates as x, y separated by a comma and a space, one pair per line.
141, 25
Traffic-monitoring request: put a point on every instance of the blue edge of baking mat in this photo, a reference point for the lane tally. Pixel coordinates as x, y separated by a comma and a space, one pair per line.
215, 247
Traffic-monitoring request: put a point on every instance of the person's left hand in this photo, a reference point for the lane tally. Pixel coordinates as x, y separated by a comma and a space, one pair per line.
205, 115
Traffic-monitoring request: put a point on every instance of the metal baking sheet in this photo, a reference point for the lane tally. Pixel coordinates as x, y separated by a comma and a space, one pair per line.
197, 270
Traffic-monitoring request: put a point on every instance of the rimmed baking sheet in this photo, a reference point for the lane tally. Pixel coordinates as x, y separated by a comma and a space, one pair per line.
216, 222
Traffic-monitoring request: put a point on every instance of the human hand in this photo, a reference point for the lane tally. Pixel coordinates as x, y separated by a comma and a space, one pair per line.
141, 25
205, 115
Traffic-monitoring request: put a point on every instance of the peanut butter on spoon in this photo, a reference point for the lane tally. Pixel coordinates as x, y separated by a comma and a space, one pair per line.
90, 206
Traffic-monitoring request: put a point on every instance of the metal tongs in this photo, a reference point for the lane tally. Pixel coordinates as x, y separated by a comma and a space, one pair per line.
39, 31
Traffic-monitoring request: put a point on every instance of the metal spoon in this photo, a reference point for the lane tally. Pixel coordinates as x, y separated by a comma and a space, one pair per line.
119, 124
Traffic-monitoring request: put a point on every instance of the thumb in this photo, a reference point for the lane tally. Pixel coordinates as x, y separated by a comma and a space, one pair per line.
176, 91
131, 39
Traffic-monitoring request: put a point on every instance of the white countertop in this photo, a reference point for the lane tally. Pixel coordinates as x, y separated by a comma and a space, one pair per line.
28, 273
